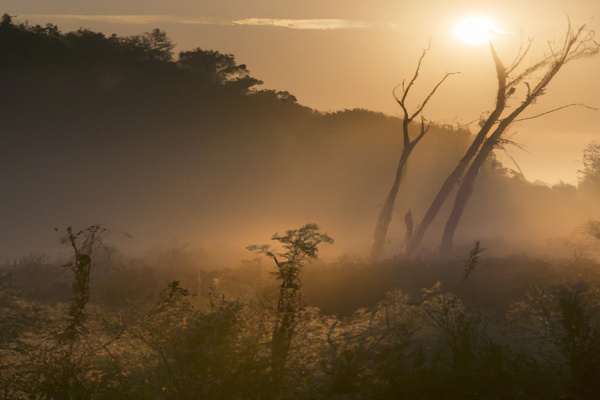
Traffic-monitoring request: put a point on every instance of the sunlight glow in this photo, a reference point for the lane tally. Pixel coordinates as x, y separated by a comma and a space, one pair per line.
475, 30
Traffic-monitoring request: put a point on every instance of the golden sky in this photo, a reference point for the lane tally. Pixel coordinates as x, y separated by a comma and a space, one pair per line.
334, 54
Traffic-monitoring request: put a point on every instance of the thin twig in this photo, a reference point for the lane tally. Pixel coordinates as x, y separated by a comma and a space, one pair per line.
557, 109
422, 106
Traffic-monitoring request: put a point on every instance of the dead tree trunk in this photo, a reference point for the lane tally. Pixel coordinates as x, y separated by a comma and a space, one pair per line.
578, 43
387, 209
454, 177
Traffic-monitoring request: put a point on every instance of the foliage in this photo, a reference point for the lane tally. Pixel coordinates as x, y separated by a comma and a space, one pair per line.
439, 344
564, 320
589, 176
154, 45
473, 260
593, 228
219, 68
83, 243
117, 63
300, 245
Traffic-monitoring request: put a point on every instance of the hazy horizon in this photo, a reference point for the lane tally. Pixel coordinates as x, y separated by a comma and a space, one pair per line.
227, 200
173, 181
335, 57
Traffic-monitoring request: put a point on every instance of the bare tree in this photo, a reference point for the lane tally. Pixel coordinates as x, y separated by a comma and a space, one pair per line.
385, 215
578, 43
454, 177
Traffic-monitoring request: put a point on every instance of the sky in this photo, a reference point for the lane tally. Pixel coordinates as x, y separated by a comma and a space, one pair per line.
343, 54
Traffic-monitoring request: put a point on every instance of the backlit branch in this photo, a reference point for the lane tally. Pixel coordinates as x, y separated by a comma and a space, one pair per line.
422, 106
424, 130
520, 56
406, 88
415, 76
557, 109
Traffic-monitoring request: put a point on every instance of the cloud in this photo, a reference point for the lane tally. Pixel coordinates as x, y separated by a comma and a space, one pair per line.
314, 24
311, 24
130, 19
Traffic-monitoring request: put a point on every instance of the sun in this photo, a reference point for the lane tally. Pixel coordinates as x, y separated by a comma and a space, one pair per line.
475, 30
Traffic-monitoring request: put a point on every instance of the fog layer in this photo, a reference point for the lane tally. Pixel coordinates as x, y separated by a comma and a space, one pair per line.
190, 152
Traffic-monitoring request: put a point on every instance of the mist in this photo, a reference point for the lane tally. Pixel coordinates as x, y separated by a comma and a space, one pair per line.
135, 180
173, 159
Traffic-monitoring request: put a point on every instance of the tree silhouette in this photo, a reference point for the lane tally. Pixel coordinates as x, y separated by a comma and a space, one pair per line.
385, 215
301, 246
456, 174
578, 43
589, 176
212, 67
532, 81
83, 243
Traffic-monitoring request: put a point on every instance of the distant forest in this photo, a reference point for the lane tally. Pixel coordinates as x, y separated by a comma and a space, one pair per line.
112, 129
106, 132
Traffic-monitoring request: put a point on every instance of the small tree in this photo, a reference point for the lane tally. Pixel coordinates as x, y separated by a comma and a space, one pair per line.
154, 45
62, 360
300, 246
212, 67
83, 243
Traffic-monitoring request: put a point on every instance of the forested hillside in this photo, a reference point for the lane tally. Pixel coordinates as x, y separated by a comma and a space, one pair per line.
189, 150
177, 163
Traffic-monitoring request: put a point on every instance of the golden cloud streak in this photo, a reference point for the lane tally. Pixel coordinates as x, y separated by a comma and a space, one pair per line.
313, 24
309, 24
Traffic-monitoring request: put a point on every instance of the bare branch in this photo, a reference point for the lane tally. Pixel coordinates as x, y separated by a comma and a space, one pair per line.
520, 56
401, 101
528, 89
424, 130
504, 141
571, 50
394, 93
557, 109
577, 44
416, 75
520, 52
529, 71
514, 161
501, 144
387, 209
406, 89
422, 106
586, 47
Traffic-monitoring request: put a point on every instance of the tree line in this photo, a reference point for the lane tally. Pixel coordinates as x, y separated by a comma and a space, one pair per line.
72, 101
